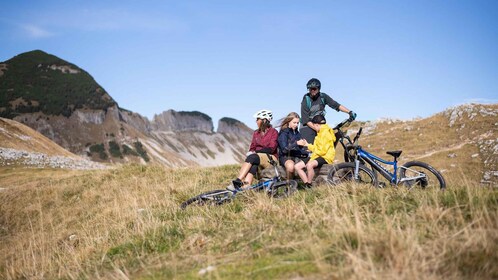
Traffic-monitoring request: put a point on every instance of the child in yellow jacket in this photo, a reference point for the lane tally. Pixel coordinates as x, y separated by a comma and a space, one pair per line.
323, 150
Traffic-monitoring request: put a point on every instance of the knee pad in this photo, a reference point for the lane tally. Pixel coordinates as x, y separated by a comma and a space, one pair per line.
253, 170
253, 159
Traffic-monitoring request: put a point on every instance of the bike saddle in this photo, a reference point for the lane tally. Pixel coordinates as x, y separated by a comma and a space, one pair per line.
395, 154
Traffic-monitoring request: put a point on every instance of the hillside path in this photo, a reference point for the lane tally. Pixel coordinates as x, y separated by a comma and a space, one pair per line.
454, 147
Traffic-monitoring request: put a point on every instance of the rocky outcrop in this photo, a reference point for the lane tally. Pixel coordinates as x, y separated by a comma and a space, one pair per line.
89, 116
183, 121
136, 120
187, 138
196, 148
478, 124
41, 160
233, 126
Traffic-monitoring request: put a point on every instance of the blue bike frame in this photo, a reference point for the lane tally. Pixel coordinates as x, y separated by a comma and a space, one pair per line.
266, 185
374, 160
260, 185
377, 164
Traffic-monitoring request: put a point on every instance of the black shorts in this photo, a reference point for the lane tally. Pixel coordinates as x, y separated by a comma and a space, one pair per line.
294, 159
321, 161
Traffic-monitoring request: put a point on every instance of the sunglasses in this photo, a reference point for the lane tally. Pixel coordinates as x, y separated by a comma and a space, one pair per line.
313, 88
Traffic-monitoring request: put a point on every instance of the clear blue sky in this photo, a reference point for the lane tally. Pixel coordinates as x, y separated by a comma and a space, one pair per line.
398, 59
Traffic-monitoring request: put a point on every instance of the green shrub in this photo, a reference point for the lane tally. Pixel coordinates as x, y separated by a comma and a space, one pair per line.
127, 150
100, 149
114, 149
97, 148
141, 151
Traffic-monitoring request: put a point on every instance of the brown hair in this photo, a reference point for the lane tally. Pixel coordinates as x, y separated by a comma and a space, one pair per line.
265, 124
284, 123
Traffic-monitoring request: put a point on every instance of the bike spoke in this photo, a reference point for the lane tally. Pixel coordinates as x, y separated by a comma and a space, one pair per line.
345, 172
421, 175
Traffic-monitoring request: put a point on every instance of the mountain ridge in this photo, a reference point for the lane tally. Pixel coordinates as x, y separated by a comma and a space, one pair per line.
64, 103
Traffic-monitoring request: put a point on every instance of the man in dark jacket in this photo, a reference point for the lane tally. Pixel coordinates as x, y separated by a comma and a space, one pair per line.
313, 104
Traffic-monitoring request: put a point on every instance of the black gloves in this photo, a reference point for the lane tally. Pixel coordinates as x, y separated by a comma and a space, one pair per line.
352, 116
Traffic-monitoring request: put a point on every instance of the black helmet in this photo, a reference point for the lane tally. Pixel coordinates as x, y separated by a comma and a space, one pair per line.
319, 119
314, 82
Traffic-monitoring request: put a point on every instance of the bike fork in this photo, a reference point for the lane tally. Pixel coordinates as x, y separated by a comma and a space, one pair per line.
356, 169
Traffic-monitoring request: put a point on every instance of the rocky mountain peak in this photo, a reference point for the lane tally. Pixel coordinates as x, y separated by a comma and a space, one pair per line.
229, 125
182, 121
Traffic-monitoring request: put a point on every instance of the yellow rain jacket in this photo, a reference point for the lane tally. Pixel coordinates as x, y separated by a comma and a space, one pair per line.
324, 144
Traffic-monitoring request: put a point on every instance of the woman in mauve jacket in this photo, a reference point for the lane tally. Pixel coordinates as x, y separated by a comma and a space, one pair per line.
263, 144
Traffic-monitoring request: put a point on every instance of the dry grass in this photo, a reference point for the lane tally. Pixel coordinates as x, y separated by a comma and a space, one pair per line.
126, 223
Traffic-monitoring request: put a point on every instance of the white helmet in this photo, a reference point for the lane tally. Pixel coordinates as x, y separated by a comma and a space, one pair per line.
264, 114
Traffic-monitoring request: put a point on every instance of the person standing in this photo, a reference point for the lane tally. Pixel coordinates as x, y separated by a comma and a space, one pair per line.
313, 104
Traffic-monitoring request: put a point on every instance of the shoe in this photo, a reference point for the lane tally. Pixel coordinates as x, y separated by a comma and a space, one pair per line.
304, 186
236, 185
301, 185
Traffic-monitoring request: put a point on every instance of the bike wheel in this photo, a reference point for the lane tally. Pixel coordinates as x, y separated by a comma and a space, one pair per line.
283, 189
344, 172
216, 197
421, 174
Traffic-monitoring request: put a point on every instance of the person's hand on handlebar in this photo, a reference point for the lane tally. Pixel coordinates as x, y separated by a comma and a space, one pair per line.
352, 116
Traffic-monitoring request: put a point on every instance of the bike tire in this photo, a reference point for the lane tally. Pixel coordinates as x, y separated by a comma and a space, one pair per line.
283, 189
216, 197
348, 155
344, 172
434, 180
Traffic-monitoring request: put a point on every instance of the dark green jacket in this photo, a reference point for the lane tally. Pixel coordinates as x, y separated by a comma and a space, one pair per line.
317, 107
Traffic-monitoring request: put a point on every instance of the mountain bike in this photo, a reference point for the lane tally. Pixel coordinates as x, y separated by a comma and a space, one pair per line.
275, 187
411, 174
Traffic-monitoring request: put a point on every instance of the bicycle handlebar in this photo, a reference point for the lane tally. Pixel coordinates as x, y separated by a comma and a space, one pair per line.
340, 133
341, 124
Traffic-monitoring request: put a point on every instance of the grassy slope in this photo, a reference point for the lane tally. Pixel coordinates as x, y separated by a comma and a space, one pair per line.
16, 135
452, 149
121, 223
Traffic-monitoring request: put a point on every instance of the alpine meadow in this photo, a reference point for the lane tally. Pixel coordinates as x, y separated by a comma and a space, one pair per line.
257, 140
124, 221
